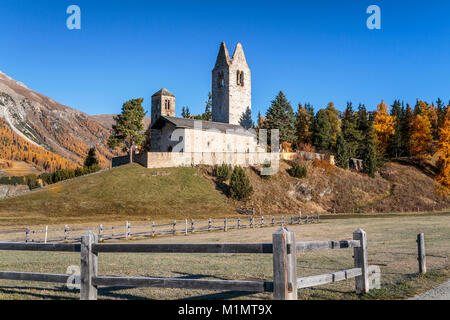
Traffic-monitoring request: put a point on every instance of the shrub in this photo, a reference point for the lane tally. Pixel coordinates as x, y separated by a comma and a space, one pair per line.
266, 176
298, 171
223, 172
326, 166
240, 186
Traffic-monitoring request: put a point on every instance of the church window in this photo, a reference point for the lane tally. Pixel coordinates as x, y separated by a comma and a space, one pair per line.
220, 80
241, 78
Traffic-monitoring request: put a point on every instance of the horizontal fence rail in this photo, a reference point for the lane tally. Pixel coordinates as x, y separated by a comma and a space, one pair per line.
129, 231
225, 285
185, 248
284, 249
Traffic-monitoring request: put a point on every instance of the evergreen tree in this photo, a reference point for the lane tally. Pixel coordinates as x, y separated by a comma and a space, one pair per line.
91, 159
395, 146
341, 153
185, 112
246, 119
207, 116
322, 130
127, 132
281, 116
370, 162
405, 127
240, 186
352, 135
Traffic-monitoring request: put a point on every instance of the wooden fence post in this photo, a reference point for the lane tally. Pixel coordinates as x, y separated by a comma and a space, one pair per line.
284, 265
192, 226
225, 225
251, 222
46, 234
282, 221
292, 220
27, 234
361, 261
186, 228
422, 258
262, 221
273, 221
239, 223
127, 230
153, 228
88, 267
174, 228
209, 225
66, 232
100, 233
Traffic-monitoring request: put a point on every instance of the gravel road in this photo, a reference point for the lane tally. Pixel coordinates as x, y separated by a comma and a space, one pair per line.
441, 292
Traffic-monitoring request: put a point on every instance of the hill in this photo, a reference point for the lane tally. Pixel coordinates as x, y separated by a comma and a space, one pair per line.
17, 168
132, 192
45, 123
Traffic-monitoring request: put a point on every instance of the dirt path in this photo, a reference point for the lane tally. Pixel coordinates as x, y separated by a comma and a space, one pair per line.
441, 292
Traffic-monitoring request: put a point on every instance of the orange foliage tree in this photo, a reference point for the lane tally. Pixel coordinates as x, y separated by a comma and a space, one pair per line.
444, 152
384, 125
421, 137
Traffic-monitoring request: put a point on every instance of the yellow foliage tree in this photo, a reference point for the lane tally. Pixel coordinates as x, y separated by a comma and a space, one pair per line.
384, 125
444, 152
421, 136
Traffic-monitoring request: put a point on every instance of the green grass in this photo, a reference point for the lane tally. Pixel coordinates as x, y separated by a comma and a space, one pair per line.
391, 245
128, 192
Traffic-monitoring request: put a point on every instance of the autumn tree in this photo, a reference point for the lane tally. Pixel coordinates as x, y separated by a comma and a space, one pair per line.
333, 119
304, 125
127, 132
384, 126
421, 136
444, 152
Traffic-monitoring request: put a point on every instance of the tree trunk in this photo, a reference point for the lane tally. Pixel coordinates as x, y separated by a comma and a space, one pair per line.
131, 151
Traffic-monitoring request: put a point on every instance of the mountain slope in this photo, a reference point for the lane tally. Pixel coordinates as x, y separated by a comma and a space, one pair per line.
46, 123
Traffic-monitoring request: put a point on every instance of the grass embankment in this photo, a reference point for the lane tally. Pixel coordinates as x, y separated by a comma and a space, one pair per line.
19, 168
391, 245
124, 193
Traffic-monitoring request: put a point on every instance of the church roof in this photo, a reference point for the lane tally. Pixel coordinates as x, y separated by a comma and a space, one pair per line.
163, 92
205, 125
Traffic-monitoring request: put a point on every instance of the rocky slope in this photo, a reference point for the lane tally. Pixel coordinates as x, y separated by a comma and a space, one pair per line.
48, 124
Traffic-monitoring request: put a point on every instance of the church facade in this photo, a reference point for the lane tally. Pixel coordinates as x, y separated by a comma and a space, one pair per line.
231, 100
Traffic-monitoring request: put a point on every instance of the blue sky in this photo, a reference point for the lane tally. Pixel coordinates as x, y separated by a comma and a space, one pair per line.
315, 51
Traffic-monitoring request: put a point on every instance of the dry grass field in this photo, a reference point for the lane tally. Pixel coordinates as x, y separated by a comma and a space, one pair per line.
391, 245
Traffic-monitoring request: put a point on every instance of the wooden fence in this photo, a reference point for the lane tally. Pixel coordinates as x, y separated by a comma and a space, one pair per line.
128, 231
284, 249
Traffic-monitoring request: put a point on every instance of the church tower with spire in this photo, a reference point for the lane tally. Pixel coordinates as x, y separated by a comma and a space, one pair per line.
231, 86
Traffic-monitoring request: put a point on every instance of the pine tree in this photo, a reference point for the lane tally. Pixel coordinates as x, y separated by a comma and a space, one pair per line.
281, 116
246, 119
405, 124
352, 135
207, 116
333, 119
128, 127
370, 161
341, 153
91, 159
395, 144
240, 186
322, 130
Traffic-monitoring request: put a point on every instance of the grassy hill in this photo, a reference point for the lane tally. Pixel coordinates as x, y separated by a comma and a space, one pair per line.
128, 192
134, 193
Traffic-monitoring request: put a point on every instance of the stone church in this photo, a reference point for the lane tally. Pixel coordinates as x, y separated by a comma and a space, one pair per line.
231, 99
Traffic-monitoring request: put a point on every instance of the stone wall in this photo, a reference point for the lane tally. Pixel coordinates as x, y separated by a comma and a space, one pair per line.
11, 191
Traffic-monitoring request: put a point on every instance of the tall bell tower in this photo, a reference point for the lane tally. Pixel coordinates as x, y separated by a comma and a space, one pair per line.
231, 86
